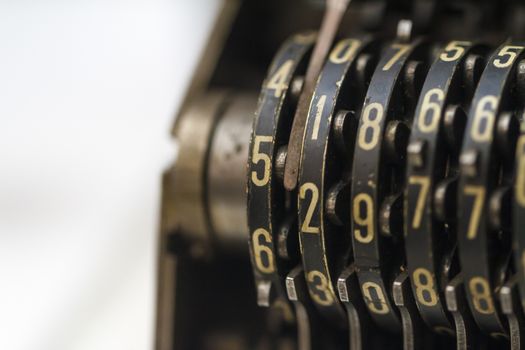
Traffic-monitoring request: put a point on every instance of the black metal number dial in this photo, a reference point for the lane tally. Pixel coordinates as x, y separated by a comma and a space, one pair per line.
326, 150
431, 179
269, 209
378, 176
484, 187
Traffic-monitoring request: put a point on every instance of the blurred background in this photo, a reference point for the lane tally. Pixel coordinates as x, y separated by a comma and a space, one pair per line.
88, 92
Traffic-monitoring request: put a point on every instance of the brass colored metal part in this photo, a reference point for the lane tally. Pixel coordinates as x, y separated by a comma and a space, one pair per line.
193, 133
226, 174
411, 179
332, 18
211, 51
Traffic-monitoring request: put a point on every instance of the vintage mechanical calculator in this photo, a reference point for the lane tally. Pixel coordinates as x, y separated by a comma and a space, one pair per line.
350, 175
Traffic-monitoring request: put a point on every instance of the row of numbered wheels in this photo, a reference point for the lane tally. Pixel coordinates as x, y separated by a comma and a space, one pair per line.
410, 201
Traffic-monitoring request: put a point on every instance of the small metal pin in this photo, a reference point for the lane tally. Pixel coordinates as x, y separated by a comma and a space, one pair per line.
507, 130
511, 307
297, 87
396, 139
469, 163
264, 293
414, 331
454, 122
391, 216
473, 68
414, 77
359, 321
404, 30
280, 161
500, 208
445, 200
467, 336
520, 78
336, 203
417, 153
344, 128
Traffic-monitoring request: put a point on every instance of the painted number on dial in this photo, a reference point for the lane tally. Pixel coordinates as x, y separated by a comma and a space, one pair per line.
307, 223
279, 80
370, 129
363, 210
375, 298
425, 291
428, 120
264, 259
454, 50
506, 56
480, 290
484, 119
322, 294
258, 156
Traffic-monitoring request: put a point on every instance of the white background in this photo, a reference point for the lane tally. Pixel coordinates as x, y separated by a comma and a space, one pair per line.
88, 91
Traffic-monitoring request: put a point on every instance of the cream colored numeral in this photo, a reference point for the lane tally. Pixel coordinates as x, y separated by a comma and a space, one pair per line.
424, 184
478, 192
318, 114
370, 124
306, 226
425, 292
261, 250
481, 298
305, 39
279, 80
344, 51
507, 51
366, 220
454, 50
426, 124
324, 296
484, 119
257, 157
401, 50
372, 302
520, 177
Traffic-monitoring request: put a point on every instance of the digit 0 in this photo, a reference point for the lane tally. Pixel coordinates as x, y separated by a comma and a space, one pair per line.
376, 302
344, 51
